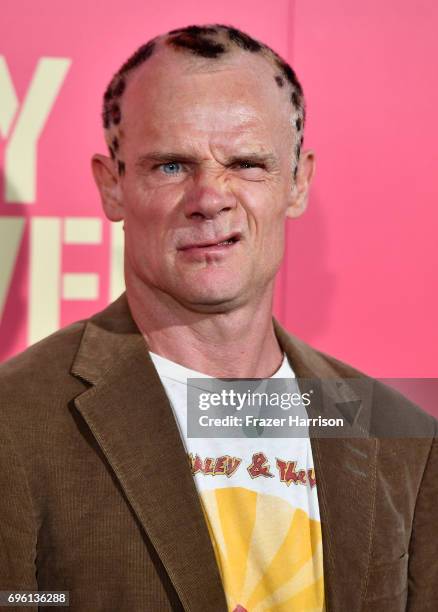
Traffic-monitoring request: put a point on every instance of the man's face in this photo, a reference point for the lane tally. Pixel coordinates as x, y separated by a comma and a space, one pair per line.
208, 150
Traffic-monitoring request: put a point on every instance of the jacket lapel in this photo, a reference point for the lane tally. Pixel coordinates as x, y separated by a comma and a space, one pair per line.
127, 411
345, 469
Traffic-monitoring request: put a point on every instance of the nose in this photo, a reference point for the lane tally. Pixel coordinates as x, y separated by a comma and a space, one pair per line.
207, 196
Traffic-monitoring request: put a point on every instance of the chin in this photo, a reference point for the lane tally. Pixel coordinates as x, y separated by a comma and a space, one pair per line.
202, 300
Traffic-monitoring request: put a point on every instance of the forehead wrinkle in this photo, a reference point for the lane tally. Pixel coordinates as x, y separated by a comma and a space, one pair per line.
204, 120
222, 142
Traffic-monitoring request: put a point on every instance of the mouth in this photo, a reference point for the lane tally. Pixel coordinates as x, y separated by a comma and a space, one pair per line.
223, 242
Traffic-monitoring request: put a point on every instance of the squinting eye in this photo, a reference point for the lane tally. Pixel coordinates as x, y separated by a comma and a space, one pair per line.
246, 165
171, 168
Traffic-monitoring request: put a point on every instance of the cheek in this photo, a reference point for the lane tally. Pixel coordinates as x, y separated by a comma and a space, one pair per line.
149, 221
264, 206
266, 220
143, 207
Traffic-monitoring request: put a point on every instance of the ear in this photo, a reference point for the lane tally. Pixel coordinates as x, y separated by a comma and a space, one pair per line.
108, 182
306, 170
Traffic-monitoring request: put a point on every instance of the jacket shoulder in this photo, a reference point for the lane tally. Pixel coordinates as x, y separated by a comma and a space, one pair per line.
53, 352
391, 409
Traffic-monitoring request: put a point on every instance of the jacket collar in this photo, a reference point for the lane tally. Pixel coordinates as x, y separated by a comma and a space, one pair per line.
128, 412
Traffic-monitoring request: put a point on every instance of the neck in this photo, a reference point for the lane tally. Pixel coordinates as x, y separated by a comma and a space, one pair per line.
239, 343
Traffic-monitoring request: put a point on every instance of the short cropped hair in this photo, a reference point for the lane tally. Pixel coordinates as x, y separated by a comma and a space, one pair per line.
206, 41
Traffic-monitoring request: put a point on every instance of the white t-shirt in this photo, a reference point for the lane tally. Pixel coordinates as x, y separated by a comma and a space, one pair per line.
260, 502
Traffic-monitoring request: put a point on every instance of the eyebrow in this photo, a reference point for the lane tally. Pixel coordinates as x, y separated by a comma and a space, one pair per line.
158, 156
163, 157
256, 158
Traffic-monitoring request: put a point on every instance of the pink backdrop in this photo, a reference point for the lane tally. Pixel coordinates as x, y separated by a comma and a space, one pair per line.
359, 279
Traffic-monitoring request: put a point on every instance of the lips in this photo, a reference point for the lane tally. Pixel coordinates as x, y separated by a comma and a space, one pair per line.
223, 241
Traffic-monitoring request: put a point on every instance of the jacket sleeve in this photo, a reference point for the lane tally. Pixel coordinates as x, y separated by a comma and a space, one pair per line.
423, 549
18, 527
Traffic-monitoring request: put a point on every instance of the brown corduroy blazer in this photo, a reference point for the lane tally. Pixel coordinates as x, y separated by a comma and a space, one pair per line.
97, 496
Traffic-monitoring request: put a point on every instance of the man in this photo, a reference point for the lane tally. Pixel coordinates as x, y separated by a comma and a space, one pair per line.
204, 127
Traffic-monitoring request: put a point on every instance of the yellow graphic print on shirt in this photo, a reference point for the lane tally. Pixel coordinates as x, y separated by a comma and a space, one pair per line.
268, 552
